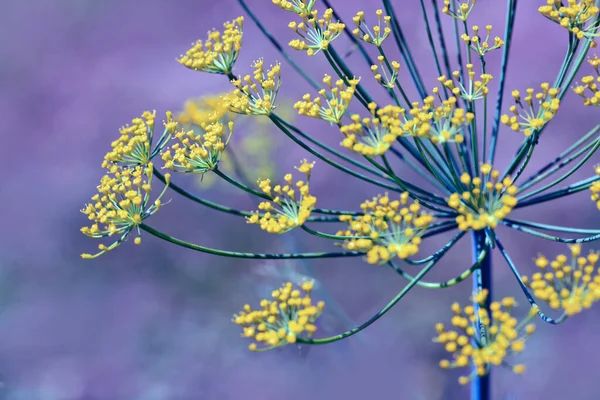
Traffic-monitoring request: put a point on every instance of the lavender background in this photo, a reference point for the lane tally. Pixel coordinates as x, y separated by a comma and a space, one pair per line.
153, 322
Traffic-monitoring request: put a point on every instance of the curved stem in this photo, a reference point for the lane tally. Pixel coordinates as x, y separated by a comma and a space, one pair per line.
385, 309
555, 228
566, 191
533, 232
529, 296
235, 254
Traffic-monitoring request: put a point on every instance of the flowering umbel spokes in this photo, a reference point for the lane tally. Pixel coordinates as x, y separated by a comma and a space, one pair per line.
568, 286
532, 112
300, 7
286, 210
589, 88
578, 16
316, 33
121, 205
388, 229
480, 340
485, 201
291, 314
256, 94
219, 52
332, 102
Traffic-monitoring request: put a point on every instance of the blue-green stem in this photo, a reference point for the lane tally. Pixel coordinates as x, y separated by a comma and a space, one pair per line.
482, 280
525, 290
566, 191
235, 254
510, 19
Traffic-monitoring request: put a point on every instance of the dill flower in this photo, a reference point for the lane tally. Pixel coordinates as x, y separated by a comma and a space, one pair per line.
528, 118
500, 337
219, 52
256, 94
482, 47
121, 205
203, 111
198, 153
386, 75
133, 147
590, 83
388, 229
578, 16
289, 316
485, 201
441, 124
315, 33
568, 286
286, 210
331, 104
300, 7
372, 136
375, 35
459, 11
470, 91
595, 188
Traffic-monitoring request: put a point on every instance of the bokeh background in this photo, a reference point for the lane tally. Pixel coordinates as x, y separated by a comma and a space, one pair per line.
154, 322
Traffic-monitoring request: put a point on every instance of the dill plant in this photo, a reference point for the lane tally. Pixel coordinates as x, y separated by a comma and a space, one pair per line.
447, 135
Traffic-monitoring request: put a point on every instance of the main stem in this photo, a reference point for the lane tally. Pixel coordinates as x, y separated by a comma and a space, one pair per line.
482, 279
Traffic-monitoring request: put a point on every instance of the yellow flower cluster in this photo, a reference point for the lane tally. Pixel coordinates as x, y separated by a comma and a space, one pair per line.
595, 188
528, 118
501, 336
441, 124
256, 94
485, 200
300, 7
121, 204
196, 153
282, 320
219, 52
591, 83
203, 111
286, 210
388, 229
315, 33
578, 16
482, 47
372, 136
381, 75
568, 286
459, 11
469, 91
375, 35
133, 147
332, 103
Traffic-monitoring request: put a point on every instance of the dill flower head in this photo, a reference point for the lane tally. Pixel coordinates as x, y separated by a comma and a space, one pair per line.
386, 75
568, 286
481, 47
474, 89
133, 147
375, 35
578, 16
372, 136
256, 94
441, 124
203, 111
219, 52
500, 336
300, 7
198, 153
595, 188
458, 10
290, 315
532, 112
331, 104
388, 229
315, 33
121, 205
485, 200
589, 88
290, 205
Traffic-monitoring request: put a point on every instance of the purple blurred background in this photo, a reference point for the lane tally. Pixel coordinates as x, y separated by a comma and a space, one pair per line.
153, 322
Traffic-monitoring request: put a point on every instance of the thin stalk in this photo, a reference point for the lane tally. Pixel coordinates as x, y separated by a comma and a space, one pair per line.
235, 254
558, 239
482, 280
566, 191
